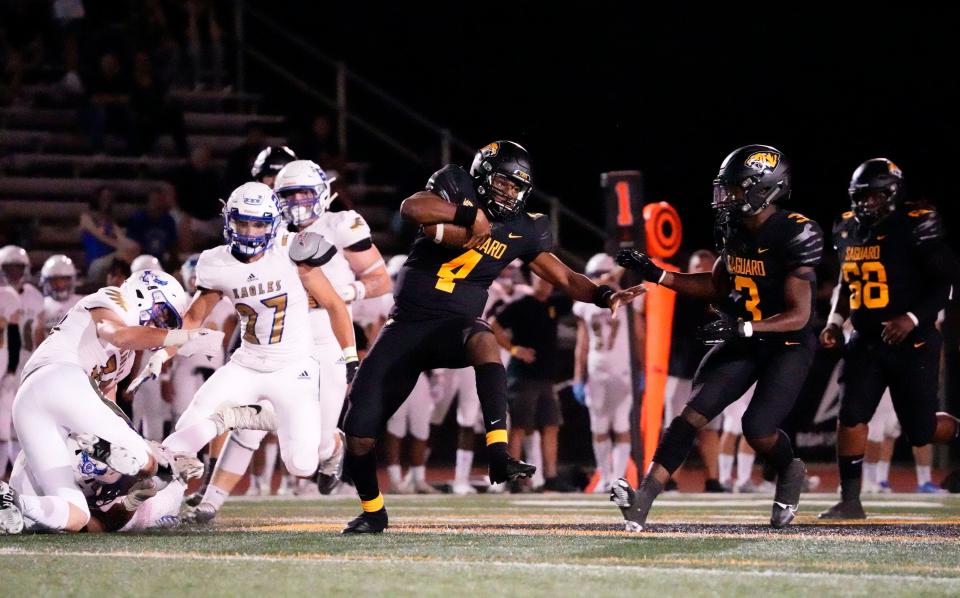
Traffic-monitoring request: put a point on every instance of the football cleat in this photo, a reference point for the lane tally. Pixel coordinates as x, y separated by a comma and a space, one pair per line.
327, 484
930, 488
786, 499
202, 514
624, 496
511, 470
422, 487
367, 523
333, 465
11, 517
845, 509
114, 456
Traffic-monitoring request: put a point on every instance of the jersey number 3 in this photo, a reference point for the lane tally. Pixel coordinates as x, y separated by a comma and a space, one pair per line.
457, 268
279, 306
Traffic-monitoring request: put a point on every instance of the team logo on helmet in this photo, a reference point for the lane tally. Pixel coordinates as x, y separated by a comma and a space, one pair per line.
490, 150
521, 174
762, 160
894, 169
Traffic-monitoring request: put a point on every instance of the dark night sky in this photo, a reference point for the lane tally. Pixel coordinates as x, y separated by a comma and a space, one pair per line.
605, 88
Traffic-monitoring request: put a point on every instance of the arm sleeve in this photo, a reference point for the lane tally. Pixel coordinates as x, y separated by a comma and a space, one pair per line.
804, 246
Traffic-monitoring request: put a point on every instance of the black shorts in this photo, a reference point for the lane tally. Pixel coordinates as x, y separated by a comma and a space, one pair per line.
533, 404
403, 350
911, 370
779, 367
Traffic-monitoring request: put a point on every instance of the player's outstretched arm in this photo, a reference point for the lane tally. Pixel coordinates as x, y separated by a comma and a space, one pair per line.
711, 286
580, 288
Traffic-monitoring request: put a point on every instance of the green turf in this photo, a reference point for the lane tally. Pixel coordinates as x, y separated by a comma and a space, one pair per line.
531, 545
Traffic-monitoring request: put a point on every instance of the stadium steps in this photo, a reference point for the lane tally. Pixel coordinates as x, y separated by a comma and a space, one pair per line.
24, 117
74, 143
55, 95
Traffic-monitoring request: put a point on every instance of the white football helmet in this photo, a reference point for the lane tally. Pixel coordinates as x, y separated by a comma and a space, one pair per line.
598, 265
58, 277
188, 273
14, 266
157, 296
251, 203
145, 262
394, 264
304, 191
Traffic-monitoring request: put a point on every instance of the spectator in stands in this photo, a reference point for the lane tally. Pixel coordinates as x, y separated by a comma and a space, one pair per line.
154, 228
154, 114
532, 341
106, 107
320, 144
199, 189
202, 18
241, 159
102, 238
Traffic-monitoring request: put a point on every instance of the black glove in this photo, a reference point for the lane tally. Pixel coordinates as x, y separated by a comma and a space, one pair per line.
631, 259
352, 367
721, 330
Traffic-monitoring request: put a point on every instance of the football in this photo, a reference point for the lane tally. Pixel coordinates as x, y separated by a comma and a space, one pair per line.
448, 235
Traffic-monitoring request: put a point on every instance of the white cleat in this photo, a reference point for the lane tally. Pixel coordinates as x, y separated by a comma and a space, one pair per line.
463, 489
333, 465
245, 417
11, 517
201, 514
112, 455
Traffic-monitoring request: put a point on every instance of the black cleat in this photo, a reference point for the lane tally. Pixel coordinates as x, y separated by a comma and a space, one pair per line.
511, 470
623, 495
714, 485
367, 523
327, 483
786, 499
845, 509
196, 498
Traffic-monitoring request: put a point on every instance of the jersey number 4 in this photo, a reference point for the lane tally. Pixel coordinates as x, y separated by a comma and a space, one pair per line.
868, 284
457, 268
279, 306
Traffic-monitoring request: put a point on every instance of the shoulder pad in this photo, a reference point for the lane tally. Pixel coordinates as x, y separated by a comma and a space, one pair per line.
350, 229
108, 297
453, 184
925, 226
311, 249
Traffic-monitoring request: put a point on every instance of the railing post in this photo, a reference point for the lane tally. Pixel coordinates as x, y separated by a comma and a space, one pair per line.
555, 219
445, 157
239, 41
342, 107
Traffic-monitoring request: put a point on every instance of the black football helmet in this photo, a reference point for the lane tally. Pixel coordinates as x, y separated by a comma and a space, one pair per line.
751, 178
875, 190
270, 161
501, 173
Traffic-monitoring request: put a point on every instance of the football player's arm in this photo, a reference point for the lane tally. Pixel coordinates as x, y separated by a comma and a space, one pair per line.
798, 297
709, 286
832, 333
318, 286
426, 207
367, 265
229, 325
580, 288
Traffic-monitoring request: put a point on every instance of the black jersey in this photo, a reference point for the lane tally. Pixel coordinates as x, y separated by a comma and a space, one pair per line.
885, 267
439, 281
758, 263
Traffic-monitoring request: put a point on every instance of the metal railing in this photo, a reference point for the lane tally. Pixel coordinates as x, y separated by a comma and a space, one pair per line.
346, 82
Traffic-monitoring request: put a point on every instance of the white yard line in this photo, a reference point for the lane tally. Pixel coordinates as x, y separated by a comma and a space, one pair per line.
579, 567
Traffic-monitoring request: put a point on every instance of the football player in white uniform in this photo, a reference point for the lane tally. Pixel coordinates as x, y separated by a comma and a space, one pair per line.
15, 272
58, 279
268, 274
601, 378
64, 388
356, 270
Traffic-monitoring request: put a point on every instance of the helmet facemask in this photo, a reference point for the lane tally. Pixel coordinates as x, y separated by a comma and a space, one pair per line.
14, 275
59, 287
871, 205
506, 195
244, 243
161, 314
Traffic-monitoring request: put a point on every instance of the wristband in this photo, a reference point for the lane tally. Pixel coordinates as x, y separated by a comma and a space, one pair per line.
350, 354
601, 296
835, 319
465, 215
916, 320
745, 329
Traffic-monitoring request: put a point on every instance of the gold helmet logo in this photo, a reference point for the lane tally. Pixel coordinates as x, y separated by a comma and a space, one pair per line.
763, 160
521, 174
894, 169
490, 150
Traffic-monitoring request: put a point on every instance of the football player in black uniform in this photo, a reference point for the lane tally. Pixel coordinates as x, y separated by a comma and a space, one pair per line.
896, 272
440, 294
763, 284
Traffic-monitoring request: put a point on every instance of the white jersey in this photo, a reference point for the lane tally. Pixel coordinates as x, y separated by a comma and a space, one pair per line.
53, 311
216, 320
74, 340
9, 312
372, 310
341, 229
31, 306
269, 299
608, 338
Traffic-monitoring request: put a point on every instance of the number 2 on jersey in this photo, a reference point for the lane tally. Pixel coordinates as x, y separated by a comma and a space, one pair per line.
279, 306
742, 283
456, 269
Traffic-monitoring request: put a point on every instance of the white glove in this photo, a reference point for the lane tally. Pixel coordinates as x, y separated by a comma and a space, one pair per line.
187, 467
150, 372
203, 341
139, 493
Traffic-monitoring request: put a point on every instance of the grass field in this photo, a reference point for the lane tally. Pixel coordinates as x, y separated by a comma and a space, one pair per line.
509, 545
